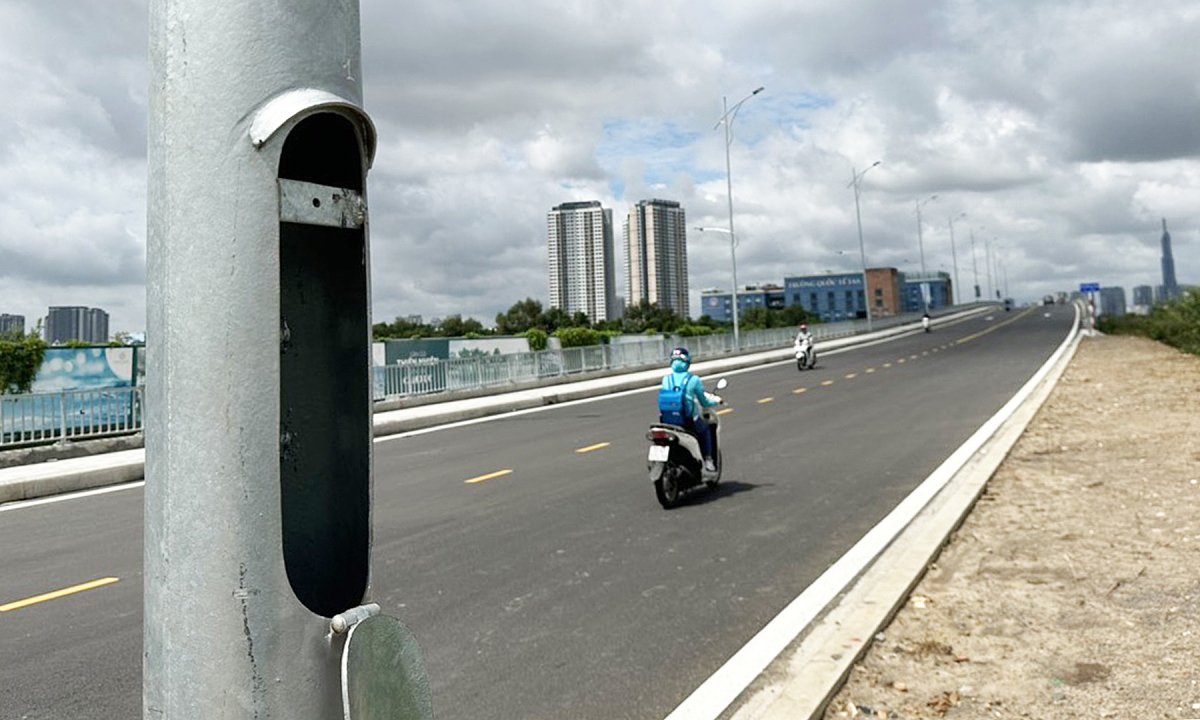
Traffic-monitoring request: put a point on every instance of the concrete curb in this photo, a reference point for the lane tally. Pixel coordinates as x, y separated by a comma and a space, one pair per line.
802, 681
26, 482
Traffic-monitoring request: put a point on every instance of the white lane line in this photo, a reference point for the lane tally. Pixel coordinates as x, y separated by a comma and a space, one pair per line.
22, 504
724, 686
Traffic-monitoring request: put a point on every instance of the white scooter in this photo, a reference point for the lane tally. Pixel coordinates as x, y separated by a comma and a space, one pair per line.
675, 462
806, 353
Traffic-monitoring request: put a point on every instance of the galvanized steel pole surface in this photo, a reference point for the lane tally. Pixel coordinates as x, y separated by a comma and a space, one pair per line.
225, 633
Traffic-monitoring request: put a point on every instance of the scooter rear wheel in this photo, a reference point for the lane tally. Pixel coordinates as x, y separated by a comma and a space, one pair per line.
666, 488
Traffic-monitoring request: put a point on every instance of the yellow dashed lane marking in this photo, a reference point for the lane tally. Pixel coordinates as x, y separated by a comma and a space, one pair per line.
851, 376
870, 370
764, 401
726, 411
799, 391
901, 361
827, 382
58, 593
887, 365
914, 356
590, 448
489, 476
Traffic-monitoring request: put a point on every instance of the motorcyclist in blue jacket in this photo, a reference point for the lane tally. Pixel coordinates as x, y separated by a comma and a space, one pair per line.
694, 398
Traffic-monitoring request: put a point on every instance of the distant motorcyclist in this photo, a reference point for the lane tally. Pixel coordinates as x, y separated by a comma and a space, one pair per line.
803, 335
925, 321
680, 399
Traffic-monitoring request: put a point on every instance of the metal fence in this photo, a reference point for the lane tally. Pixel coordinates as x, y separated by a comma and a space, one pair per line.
70, 415
427, 376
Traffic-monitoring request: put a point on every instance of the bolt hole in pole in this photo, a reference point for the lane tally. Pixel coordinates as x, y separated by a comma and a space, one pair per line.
316, 202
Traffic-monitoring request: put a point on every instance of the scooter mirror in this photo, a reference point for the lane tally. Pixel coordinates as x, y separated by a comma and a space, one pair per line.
722, 383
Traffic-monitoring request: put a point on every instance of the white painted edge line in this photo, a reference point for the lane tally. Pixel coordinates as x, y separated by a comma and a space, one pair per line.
49, 499
722, 688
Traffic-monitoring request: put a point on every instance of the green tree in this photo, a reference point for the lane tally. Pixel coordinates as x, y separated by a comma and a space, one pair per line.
647, 316
20, 361
455, 326
520, 317
400, 328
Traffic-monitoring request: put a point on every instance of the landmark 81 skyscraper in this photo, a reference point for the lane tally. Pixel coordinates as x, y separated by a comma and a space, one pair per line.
1170, 287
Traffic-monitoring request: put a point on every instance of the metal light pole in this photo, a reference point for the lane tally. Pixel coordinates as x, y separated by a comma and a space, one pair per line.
954, 256
727, 121
257, 595
974, 265
920, 242
921, 246
855, 182
733, 254
987, 257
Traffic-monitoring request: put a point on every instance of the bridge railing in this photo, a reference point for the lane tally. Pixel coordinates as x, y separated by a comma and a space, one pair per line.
70, 415
426, 376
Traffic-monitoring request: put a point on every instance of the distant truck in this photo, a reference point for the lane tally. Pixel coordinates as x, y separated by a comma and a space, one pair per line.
1048, 300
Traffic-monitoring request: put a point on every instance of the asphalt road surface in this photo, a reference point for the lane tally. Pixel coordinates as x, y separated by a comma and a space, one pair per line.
528, 553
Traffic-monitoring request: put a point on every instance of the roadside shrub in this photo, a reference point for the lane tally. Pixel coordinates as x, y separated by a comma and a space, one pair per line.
571, 337
694, 331
1176, 323
537, 339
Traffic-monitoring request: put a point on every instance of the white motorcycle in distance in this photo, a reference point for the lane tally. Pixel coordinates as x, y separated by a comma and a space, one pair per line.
675, 462
806, 353
925, 322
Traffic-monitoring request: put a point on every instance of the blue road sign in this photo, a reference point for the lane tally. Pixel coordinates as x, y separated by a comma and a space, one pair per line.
1089, 287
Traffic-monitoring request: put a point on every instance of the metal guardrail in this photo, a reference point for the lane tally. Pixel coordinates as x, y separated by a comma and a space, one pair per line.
427, 376
71, 415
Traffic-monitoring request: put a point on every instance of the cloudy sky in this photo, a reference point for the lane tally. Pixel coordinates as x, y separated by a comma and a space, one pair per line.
1064, 131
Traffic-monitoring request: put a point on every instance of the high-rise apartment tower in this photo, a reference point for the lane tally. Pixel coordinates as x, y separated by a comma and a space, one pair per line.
656, 255
76, 324
582, 273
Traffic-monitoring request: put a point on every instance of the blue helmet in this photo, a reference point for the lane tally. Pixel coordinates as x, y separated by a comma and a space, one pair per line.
681, 359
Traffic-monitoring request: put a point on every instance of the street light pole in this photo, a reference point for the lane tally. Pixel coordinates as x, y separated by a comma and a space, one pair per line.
987, 256
954, 256
735, 294
727, 121
921, 245
974, 265
920, 242
855, 181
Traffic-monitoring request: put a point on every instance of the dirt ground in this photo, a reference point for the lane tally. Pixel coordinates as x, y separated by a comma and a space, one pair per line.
1073, 588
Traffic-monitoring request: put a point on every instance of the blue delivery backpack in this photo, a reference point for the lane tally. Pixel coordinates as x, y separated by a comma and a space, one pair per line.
672, 406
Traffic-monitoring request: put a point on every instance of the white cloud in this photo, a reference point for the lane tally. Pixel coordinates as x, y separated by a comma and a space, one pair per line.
1064, 131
